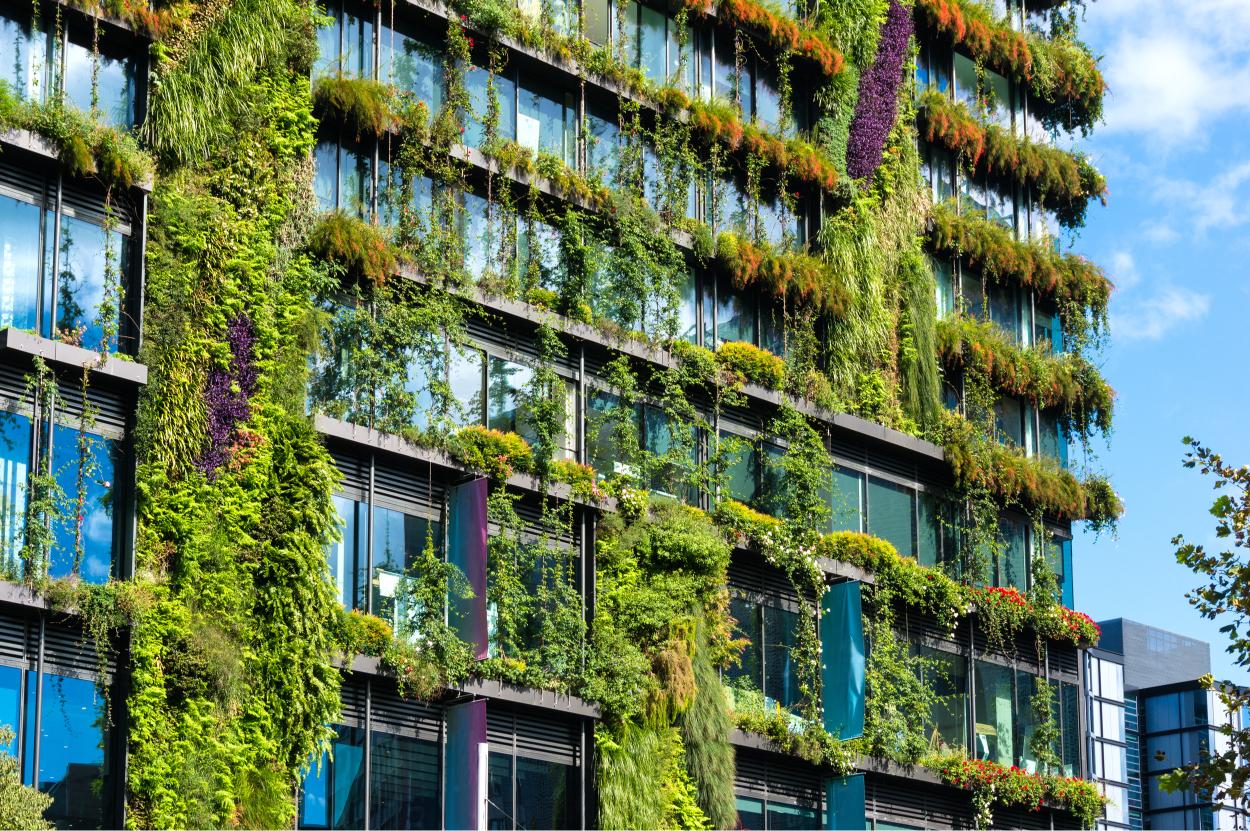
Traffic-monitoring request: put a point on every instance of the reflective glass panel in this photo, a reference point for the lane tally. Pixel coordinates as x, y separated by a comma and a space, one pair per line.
398, 542
505, 383
346, 557
994, 727
84, 466
546, 794
749, 617
71, 750
848, 499
892, 515
404, 782
499, 812
783, 817
114, 78
411, 65
750, 813
947, 676
333, 793
19, 263
14, 470
781, 683
88, 284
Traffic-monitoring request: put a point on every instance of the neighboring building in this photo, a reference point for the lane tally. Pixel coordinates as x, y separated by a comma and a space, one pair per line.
1149, 715
510, 754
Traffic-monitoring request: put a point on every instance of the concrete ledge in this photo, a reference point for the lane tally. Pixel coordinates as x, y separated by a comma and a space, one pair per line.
75, 357
390, 443
19, 594
34, 143
497, 690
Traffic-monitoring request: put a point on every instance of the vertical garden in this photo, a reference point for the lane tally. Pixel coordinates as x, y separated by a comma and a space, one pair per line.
332, 234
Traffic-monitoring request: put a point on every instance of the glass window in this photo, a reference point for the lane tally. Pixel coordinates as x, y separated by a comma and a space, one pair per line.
649, 44
998, 98
86, 291
1112, 722
740, 469
546, 794
404, 782
750, 625
346, 557
411, 65
944, 276
892, 514
935, 530
947, 676
1009, 421
25, 58
114, 81
505, 388
767, 98
783, 817
602, 143
333, 793
848, 500
344, 179
538, 250
1026, 722
547, 120
598, 17
688, 311
398, 542
84, 468
20, 223
14, 470
966, 81
1162, 713
1069, 726
499, 812
750, 813
1111, 680
475, 82
72, 745
725, 70
10, 705
994, 730
735, 318
781, 683
1012, 567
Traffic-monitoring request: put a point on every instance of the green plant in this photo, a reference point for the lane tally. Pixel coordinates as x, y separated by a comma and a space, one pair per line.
21, 806
358, 104
492, 452
360, 247
756, 365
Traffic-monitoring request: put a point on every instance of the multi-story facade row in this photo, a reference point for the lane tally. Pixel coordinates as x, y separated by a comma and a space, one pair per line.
488, 753
1151, 714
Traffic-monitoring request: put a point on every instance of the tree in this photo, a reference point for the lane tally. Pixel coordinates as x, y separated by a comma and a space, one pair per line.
20, 806
1226, 597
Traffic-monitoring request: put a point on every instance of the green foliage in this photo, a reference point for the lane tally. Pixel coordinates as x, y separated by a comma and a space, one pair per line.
1064, 181
361, 105
992, 785
810, 741
642, 781
1079, 286
20, 806
492, 452
85, 147
705, 728
360, 247
756, 365
1221, 596
1066, 382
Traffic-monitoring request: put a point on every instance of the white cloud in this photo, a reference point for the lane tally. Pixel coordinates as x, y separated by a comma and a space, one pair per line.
1124, 270
1159, 232
1151, 317
1172, 68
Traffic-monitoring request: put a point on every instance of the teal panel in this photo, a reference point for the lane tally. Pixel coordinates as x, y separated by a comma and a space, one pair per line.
842, 656
845, 801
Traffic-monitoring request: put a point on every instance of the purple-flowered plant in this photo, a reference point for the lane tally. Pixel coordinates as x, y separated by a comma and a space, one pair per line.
229, 392
878, 94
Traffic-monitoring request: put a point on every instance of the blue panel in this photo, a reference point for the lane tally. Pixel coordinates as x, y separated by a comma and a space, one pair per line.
845, 801
467, 551
842, 655
466, 729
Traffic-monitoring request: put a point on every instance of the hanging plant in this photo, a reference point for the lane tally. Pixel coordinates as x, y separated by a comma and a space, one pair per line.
878, 94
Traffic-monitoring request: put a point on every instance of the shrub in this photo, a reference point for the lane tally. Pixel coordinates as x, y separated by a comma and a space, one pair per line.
492, 452
360, 104
757, 365
363, 249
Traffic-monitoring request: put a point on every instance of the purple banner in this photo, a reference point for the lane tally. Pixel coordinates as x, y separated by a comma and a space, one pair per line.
464, 780
467, 551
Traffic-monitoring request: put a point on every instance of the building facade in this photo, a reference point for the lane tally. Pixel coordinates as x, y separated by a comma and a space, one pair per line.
1150, 714
550, 416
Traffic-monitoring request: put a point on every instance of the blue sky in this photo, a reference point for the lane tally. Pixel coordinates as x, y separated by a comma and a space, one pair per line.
1174, 238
